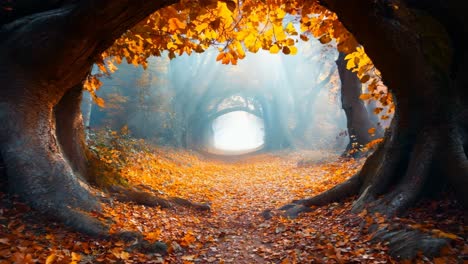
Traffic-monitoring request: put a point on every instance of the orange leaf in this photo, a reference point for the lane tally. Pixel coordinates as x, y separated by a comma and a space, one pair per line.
51, 258
365, 96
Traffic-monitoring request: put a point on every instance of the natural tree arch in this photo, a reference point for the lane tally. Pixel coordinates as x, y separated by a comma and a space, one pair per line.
424, 69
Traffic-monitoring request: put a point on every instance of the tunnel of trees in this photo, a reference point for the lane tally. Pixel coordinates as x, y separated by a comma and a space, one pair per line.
47, 49
171, 107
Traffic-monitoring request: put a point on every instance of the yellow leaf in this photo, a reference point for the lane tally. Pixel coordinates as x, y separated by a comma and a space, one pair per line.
274, 49
240, 50
251, 43
350, 64
349, 56
224, 12
279, 32
242, 35
280, 13
171, 45
199, 28
293, 50
290, 28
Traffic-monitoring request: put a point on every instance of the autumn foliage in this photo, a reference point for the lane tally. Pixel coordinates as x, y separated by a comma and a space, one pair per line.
236, 28
236, 230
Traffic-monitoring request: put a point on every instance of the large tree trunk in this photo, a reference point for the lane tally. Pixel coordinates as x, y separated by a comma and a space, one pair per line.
46, 52
421, 57
425, 73
358, 120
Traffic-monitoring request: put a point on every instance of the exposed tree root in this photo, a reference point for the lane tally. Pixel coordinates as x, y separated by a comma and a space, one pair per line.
393, 179
380, 168
411, 186
81, 221
405, 243
337, 193
292, 211
138, 243
148, 197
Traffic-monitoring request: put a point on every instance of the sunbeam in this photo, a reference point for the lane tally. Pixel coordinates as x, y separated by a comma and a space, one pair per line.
238, 131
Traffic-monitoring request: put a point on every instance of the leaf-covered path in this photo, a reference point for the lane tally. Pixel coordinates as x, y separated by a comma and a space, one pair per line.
239, 192
234, 231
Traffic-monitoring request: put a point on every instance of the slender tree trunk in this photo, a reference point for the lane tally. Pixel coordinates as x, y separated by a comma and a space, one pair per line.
86, 112
358, 120
375, 119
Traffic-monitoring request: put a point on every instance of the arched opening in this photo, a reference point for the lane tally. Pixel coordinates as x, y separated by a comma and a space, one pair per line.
237, 132
427, 135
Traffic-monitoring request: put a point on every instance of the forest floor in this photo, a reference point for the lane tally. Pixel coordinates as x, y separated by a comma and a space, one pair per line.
234, 231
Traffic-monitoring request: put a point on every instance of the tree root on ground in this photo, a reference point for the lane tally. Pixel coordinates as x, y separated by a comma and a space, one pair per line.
405, 243
146, 196
395, 177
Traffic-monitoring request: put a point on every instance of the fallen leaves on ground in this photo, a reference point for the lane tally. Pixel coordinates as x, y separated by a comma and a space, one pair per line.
234, 231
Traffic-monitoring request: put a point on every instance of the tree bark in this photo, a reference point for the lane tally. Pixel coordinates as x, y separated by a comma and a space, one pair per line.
70, 130
46, 51
430, 93
358, 120
86, 112
419, 54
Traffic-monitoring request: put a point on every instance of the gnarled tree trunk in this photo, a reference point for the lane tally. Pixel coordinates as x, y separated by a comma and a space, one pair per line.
46, 51
417, 46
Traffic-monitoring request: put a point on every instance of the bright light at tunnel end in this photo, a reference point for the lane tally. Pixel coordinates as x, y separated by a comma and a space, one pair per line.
238, 131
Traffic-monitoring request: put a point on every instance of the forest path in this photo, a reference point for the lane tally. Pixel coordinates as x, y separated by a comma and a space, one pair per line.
234, 231
239, 192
